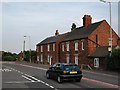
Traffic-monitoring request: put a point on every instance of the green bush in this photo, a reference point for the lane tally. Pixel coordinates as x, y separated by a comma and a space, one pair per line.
114, 60
9, 58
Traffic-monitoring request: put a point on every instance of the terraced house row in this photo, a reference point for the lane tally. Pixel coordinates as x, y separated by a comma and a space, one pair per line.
85, 45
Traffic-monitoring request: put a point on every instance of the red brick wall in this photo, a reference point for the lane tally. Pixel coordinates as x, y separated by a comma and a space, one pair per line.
82, 54
118, 42
103, 32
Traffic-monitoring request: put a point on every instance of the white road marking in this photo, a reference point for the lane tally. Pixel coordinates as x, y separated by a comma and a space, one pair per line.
19, 82
33, 67
5, 70
26, 76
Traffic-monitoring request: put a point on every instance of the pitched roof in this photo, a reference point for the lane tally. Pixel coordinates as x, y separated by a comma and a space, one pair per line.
101, 51
82, 32
52, 39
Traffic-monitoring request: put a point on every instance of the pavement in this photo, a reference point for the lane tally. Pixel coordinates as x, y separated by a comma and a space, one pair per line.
97, 71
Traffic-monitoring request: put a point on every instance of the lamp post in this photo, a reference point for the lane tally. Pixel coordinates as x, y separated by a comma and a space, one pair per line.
110, 39
29, 48
24, 48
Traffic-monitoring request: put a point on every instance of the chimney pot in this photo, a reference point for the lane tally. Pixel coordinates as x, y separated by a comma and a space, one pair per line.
56, 33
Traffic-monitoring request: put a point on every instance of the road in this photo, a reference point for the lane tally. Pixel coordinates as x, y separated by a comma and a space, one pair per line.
32, 76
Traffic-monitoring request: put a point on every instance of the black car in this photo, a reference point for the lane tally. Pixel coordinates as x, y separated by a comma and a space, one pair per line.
64, 71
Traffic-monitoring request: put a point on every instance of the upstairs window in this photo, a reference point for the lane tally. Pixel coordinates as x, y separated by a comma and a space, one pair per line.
48, 47
67, 45
37, 48
53, 46
76, 46
82, 45
63, 49
41, 48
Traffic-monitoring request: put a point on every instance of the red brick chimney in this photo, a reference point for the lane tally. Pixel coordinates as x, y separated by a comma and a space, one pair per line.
56, 33
87, 20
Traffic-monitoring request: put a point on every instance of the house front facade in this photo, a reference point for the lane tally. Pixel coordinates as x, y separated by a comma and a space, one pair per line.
78, 45
48, 49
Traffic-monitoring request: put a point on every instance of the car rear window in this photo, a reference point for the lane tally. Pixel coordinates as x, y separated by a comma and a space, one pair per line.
71, 68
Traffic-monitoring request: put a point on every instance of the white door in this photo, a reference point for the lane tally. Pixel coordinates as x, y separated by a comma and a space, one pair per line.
96, 62
68, 58
38, 58
50, 60
76, 59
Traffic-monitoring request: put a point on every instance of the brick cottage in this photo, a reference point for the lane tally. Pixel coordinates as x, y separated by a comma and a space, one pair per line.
85, 45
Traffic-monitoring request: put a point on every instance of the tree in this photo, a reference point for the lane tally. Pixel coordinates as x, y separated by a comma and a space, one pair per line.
8, 56
73, 26
33, 55
114, 60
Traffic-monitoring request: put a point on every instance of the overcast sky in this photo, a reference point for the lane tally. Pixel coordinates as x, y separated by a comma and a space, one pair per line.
41, 19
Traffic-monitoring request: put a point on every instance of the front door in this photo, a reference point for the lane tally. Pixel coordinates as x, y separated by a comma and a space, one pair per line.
96, 62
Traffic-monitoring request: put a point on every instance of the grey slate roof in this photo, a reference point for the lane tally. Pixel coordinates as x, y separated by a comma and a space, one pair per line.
78, 33
101, 51
52, 39
82, 32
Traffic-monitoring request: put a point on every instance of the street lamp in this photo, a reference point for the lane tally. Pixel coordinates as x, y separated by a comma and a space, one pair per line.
29, 48
110, 39
24, 48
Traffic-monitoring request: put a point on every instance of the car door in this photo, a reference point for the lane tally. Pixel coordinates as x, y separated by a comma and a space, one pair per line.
57, 70
51, 70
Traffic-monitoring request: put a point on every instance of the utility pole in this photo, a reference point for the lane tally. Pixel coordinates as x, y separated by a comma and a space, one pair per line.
24, 48
110, 39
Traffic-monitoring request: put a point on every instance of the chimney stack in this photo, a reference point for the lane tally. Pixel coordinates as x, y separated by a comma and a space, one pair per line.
87, 20
56, 33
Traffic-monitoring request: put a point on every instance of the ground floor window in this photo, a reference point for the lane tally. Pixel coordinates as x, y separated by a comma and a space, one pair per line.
48, 58
41, 58
96, 62
38, 58
68, 58
76, 59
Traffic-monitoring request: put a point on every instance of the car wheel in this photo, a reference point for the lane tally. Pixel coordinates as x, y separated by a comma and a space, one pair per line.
59, 79
48, 75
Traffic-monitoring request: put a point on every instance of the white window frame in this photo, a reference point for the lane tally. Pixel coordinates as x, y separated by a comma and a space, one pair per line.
53, 46
68, 46
96, 62
63, 48
68, 58
37, 48
76, 46
82, 45
38, 58
48, 58
48, 47
41, 57
76, 59
41, 48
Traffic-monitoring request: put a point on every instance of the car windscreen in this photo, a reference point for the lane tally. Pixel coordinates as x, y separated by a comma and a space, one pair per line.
71, 68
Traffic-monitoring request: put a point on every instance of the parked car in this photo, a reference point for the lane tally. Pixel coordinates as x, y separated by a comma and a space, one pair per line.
64, 71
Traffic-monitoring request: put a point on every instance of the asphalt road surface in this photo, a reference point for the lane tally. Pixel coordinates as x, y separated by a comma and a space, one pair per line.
31, 76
